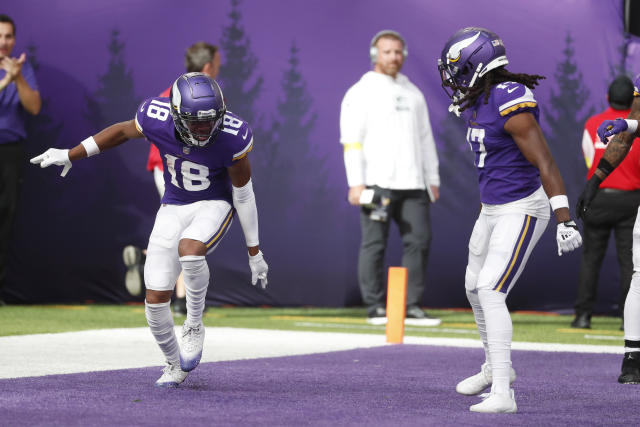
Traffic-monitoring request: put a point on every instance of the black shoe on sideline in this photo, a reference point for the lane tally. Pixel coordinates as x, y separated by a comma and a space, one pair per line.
630, 372
180, 307
582, 321
377, 316
417, 317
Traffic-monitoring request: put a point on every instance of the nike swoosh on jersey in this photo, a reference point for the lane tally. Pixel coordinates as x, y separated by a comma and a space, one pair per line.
246, 132
512, 89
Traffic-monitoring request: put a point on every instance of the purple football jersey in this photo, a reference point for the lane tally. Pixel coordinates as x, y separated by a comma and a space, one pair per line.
192, 174
504, 174
636, 86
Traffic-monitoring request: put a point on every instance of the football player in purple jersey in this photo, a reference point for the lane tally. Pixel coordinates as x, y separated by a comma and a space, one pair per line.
518, 180
207, 177
625, 131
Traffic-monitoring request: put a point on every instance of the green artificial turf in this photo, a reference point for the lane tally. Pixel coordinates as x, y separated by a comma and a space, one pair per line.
532, 327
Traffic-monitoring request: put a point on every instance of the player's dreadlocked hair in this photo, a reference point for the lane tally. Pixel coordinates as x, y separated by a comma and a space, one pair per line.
492, 78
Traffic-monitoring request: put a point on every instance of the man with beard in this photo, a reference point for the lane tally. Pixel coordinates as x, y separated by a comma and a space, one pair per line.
389, 151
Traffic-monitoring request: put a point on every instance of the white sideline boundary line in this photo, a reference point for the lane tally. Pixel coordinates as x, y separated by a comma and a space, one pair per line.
526, 346
467, 342
126, 348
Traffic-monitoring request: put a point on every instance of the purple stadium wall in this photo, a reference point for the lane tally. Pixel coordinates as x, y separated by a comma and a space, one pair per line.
96, 60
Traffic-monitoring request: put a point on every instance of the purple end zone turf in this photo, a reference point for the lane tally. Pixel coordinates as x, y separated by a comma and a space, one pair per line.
392, 385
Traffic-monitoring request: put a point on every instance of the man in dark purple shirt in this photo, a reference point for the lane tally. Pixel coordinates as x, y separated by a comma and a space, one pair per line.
18, 96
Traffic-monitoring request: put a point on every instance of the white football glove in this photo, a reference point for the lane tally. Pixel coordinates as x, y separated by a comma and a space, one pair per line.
259, 269
568, 237
54, 156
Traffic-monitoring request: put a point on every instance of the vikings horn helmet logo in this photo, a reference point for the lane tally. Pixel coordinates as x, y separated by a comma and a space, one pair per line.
468, 55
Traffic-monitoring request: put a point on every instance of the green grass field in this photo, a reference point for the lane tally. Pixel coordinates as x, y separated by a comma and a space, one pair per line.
532, 327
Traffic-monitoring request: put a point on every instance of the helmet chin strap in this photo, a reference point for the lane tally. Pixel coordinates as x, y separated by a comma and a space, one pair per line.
495, 63
455, 108
475, 75
196, 142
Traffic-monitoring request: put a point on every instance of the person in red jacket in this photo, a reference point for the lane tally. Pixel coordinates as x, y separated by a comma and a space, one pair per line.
614, 207
200, 57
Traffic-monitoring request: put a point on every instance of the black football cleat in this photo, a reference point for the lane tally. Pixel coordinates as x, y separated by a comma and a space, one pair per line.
630, 368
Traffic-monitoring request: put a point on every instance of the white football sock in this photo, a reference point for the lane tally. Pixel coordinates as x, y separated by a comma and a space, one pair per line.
632, 312
499, 335
478, 314
160, 322
196, 280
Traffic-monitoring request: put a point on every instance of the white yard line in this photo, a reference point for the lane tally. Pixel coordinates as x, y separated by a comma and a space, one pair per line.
110, 349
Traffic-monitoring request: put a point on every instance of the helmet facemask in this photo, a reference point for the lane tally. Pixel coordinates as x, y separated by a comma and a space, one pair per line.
197, 131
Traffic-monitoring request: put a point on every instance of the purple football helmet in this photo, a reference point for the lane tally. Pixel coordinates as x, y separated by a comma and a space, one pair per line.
197, 108
468, 55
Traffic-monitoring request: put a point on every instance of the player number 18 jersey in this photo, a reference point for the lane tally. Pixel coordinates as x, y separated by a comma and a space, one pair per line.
192, 174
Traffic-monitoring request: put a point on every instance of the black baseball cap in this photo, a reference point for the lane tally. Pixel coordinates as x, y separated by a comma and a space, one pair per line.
621, 93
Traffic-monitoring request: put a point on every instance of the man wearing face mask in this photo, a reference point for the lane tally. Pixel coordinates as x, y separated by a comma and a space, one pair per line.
392, 172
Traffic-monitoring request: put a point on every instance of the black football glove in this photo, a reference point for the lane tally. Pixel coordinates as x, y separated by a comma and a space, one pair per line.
587, 195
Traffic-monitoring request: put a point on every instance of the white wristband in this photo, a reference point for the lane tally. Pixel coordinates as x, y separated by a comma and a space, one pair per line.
90, 146
632, 125
558, 202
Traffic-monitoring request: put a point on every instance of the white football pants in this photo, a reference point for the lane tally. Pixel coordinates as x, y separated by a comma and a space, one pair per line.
499, 248
632, 302
206, 221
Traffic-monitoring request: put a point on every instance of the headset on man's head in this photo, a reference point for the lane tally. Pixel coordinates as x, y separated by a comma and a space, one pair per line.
373, 49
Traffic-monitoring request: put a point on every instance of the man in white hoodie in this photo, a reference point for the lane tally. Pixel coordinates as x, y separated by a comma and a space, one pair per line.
389, 151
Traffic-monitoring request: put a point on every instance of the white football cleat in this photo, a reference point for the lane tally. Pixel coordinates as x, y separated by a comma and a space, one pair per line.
191, 346
496, 403
172, 376
477, 383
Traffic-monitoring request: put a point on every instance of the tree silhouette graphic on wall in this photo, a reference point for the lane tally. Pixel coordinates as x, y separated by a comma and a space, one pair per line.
565, 120
114, 101
240, 85
119, 207
620, 66
458, 177
617, 67
300, 201
290, 151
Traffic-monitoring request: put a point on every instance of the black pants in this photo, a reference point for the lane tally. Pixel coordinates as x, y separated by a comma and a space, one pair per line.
611, 210
11, 162
410, 210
